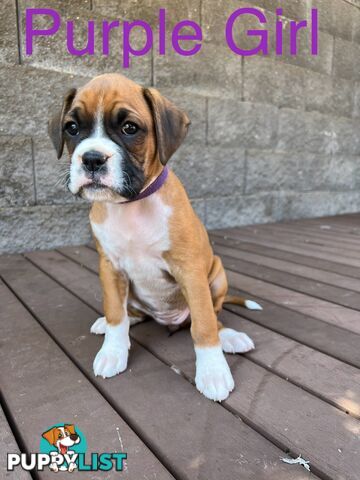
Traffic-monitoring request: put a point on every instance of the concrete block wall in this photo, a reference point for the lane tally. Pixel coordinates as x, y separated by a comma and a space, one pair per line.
272, 137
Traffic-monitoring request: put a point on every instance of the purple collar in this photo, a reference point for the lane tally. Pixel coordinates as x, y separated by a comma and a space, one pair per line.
153, 187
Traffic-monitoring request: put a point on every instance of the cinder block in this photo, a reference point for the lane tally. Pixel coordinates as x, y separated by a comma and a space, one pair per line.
356, 23
199, 207
215, 14
346, 55
236, 123
44, 47
346, 133
195, 107
300, 171
231, 211
43, 227
8, 38
306, 131
26, 107
317, 204
267, 81
294, 9
214, 70
16, 171
206, 170
328, 94
336, 17
322, 62
147, 10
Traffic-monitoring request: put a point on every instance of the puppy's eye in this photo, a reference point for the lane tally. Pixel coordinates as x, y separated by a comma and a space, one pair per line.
129, 128
72, 129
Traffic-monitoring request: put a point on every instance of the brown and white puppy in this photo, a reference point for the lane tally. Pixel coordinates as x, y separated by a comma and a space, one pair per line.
155, 255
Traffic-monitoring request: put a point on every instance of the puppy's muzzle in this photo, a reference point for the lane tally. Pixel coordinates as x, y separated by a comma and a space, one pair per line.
93, 161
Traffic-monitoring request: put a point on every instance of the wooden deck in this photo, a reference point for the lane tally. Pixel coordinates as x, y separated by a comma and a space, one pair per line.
297, 393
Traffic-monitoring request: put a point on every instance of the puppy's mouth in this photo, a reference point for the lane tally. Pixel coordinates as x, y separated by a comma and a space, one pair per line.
63, 449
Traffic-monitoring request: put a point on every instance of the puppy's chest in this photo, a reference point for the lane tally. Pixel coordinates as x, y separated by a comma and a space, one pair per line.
134, 237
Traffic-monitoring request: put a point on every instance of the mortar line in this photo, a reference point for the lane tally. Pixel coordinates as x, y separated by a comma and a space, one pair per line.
18, 34
34, 171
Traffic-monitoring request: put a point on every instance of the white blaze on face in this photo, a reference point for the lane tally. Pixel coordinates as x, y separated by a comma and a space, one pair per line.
99, 141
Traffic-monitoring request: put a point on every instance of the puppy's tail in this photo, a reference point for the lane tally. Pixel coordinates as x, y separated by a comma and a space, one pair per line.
249, 304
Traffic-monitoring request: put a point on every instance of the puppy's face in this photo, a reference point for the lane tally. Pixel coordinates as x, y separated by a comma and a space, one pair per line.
62, 437
118, 136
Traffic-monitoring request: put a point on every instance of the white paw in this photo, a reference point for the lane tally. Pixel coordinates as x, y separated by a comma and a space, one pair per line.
110, 361
113, 356
99, 326
72, 467
235, 342
213, 377
251, 305
54, 467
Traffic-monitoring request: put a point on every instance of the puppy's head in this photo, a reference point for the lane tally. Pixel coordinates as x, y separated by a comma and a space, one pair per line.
118, 136
62, 437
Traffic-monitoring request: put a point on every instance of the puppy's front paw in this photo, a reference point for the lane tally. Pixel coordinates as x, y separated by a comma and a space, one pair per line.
213, 377
72, 467
99, 326
54, 467
235, 342
110, 361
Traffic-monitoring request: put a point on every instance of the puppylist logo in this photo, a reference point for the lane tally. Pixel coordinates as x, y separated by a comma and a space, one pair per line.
62, 449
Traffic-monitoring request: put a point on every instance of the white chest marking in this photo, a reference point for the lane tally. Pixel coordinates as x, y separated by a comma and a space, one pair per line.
134, 236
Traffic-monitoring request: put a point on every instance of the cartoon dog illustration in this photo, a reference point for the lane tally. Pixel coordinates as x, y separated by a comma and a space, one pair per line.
62, 438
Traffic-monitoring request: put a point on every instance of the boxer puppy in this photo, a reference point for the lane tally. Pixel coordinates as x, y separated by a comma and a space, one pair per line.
155, 256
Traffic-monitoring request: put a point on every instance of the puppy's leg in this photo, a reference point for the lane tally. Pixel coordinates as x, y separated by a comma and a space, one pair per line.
113, 355
213, 377
231, 340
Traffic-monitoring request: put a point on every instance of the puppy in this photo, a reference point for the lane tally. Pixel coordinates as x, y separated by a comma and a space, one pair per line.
155, 256
62, 438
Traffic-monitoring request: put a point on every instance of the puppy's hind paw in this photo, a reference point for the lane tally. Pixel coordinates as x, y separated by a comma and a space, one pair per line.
99, 326
213, 377
235, 342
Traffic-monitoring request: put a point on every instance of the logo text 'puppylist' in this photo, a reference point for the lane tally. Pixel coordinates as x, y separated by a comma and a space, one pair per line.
185, 39
62, 449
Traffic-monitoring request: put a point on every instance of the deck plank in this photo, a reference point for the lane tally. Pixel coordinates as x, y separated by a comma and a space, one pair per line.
303, 235
62, 394
184, 427
291, 247
8, 444
317, 289
298, 302
271, 252
328, 278
252, 377
298, 241
316, 232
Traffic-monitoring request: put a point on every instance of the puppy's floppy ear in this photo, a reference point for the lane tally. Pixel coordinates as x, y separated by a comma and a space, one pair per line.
171, 123
55, 125
50, 435
70, 427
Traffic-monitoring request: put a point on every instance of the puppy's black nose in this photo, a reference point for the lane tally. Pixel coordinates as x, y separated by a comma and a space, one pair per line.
74, 437
93, 160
